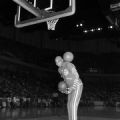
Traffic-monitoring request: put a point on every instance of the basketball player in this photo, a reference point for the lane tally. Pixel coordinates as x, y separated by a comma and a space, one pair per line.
75, 86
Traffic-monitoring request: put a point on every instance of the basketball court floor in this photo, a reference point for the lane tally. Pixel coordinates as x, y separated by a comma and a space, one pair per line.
84, 113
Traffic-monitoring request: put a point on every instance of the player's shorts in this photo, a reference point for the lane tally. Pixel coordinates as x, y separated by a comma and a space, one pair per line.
77, 83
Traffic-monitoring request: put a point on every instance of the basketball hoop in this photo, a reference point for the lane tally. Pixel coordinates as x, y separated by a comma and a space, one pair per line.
40, 15
51, 24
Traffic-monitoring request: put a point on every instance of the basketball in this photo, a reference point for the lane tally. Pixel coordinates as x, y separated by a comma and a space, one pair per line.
62, 85
68, 56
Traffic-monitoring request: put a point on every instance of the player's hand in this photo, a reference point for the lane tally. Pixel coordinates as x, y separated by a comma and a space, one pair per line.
63, 91
66, 91
69, 90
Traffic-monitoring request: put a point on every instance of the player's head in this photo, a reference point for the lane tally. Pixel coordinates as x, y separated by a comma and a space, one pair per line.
68, 56
58, 61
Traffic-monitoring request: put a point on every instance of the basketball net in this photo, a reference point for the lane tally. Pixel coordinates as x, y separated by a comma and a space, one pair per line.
51, 24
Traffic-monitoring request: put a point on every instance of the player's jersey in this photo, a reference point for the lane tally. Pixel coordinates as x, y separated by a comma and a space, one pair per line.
69, 73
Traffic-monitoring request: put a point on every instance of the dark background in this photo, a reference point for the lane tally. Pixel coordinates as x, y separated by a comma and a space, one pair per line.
34, 47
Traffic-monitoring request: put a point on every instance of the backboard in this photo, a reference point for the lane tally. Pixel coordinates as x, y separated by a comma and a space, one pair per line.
30, 12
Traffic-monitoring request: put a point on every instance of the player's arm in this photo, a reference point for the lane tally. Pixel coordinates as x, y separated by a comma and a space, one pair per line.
60, 71
72, 68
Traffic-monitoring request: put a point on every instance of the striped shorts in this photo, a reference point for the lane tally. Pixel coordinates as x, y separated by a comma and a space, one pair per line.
76, 83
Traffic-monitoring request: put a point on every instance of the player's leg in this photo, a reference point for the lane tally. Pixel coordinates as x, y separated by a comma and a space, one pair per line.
75, 104
80, 87
75, 101
78, 94
69, 106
